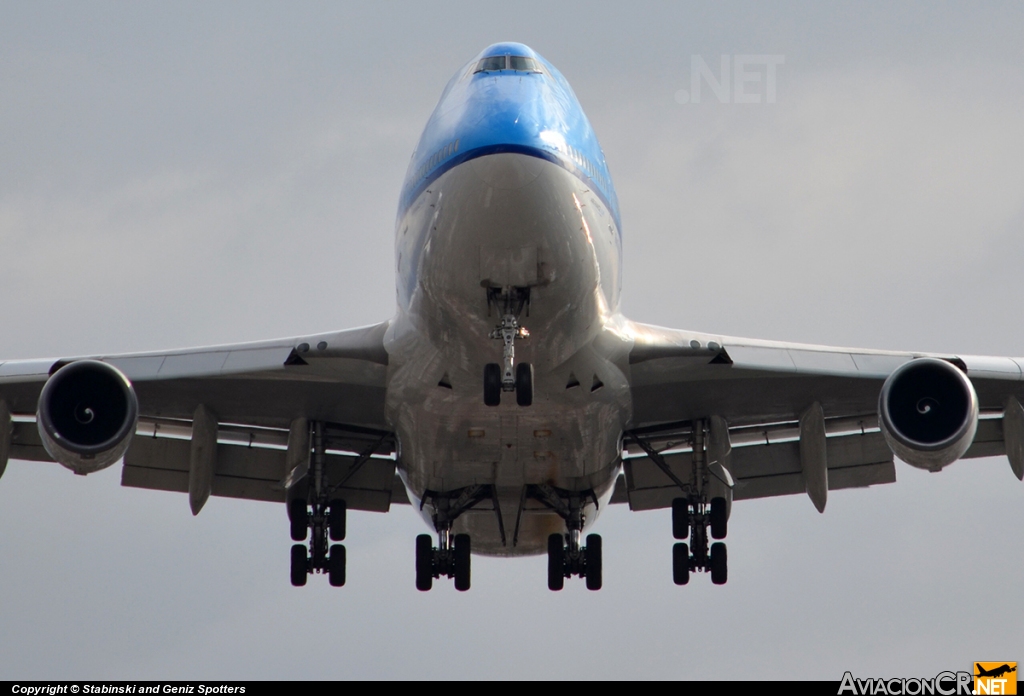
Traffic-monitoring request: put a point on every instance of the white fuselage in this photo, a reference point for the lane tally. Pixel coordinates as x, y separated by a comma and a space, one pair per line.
507, 220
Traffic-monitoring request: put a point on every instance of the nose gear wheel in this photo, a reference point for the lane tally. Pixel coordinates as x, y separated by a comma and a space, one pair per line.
507, 376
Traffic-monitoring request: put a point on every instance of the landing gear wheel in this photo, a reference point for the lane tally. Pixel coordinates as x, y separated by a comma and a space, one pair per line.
719, 564
719, 518
424, 562
492, 384
336, 566
592, 559
680, 564
461, 558
298, 515
556, 562
300, 565
680, 518
524, 384
336, 520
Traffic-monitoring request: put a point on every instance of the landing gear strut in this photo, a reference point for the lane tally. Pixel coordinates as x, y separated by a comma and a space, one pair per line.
567, 556
323, 520
451, 557
694, 517
509, 377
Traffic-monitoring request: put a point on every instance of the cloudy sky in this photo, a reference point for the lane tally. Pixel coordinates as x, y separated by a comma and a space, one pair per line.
194, 173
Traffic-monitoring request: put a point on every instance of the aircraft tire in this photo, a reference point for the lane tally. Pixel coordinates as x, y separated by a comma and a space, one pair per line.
680, 564
719, 564
461, 551
680, 518
300, 565
524, 384
298, 516
492, 384
336, 565
556, 562
424, 562
336, 520
592, 558
719, 518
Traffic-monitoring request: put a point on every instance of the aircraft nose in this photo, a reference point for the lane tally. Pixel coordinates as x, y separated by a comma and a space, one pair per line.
507, 173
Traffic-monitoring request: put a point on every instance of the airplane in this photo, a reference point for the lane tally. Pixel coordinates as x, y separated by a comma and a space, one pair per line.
996, 671
508, 398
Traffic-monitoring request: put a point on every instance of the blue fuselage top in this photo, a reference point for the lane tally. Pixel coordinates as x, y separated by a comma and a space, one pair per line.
508, 99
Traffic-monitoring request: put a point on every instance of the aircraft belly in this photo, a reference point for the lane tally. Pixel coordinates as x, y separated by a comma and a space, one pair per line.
515, 221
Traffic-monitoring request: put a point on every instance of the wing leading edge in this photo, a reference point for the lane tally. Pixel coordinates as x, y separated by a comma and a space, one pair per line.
255, 392
762, 391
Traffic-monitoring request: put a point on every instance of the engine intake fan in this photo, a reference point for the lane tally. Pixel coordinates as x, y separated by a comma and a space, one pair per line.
928, 413
87, 415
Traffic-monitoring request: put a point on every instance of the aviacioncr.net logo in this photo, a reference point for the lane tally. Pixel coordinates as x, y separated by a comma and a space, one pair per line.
995, 678
943, 684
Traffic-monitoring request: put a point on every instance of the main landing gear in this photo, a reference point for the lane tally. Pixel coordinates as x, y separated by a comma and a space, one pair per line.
321, 519
451, 557
567, 556
702, 510
693, 519
509, 377
327, 523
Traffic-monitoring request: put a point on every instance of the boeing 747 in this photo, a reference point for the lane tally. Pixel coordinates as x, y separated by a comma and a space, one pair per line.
508, 399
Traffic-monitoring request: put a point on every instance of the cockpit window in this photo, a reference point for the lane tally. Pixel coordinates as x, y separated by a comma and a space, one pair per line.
523, 63
491, 63
520, 63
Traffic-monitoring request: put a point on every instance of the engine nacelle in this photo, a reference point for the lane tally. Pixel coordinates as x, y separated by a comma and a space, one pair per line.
928, 413
87, 415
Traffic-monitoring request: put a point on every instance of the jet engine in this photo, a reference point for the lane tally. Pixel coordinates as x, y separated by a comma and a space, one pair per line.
87, 415
928, 413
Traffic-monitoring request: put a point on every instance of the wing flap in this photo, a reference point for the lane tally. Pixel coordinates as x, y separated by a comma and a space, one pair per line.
256, 473
855, 461
26, 444
765, 470
988, 441
861, 476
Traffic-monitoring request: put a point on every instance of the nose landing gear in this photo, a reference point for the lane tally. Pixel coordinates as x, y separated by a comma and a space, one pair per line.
509, 377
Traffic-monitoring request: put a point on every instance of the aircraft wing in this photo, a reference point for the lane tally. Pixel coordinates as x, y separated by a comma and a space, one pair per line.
759, 391
255, 391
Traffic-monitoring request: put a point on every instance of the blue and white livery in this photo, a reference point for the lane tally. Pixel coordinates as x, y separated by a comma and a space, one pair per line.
508, 399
